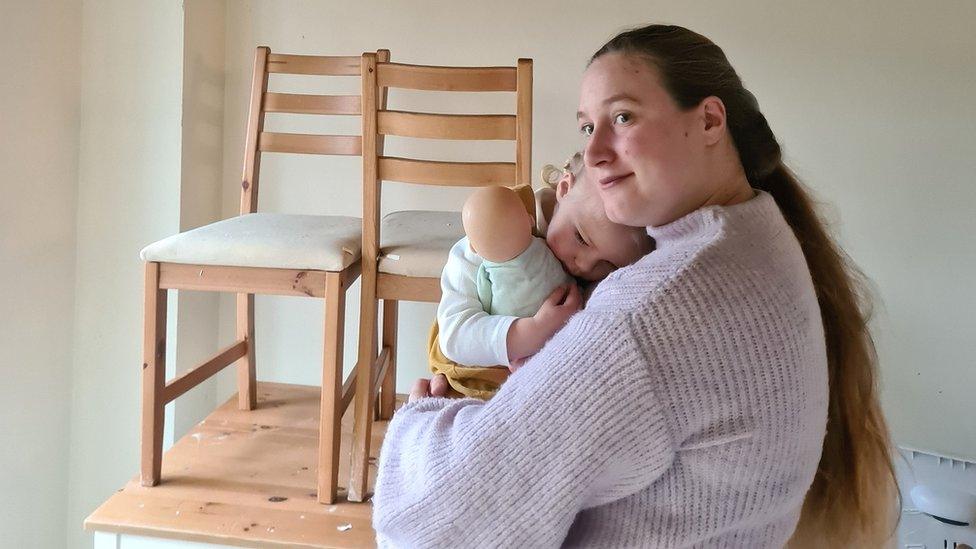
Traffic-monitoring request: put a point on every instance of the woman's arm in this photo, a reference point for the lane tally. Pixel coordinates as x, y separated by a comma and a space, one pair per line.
578, 426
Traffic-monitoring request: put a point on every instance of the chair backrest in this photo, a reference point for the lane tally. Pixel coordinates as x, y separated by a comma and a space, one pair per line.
379, 76
262, 102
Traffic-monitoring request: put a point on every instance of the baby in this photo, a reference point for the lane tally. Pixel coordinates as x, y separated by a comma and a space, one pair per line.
491, 317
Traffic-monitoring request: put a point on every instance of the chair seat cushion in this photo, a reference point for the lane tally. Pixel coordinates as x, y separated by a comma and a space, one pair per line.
272, 240
416, 243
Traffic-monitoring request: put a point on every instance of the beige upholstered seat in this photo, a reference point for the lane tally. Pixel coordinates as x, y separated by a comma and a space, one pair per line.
416, 243
273, 240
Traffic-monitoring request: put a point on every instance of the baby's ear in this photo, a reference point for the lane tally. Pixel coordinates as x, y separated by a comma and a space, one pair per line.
564, 185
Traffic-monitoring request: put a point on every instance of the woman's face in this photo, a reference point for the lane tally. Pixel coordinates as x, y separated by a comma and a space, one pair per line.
643, 152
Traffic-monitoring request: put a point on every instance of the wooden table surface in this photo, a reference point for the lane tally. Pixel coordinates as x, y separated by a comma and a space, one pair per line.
247, 479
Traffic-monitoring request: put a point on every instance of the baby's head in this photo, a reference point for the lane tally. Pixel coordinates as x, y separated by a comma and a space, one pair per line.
588, 244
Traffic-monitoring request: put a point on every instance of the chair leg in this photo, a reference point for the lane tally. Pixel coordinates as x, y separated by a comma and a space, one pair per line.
365, 370
153, 377
247, 387
387, 398
330, 414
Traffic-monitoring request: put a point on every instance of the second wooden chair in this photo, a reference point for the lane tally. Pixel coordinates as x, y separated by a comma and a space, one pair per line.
403, 254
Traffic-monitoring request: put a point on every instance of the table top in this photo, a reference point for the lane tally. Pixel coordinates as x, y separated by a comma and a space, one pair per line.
248, 479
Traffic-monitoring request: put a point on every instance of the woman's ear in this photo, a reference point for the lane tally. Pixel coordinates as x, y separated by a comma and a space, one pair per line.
713, 113
564, 185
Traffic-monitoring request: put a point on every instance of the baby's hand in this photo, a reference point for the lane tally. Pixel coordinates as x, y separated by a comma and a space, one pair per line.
516, 364
527, 335
561, 304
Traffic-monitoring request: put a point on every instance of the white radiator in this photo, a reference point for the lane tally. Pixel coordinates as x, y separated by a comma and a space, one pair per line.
917, 530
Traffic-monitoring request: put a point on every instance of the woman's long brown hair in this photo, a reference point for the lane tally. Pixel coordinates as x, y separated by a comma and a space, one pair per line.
852, 502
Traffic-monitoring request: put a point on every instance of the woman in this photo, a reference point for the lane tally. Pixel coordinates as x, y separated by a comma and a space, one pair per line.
688, 404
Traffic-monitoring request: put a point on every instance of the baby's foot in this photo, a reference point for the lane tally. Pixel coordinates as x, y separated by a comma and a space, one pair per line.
439, 386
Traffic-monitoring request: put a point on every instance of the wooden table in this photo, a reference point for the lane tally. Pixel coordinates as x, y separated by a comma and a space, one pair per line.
247, 479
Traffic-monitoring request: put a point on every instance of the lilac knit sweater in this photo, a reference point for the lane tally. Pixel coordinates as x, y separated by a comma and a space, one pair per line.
684, 407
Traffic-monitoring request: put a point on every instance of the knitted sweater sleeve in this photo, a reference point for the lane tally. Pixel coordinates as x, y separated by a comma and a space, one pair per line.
577, 427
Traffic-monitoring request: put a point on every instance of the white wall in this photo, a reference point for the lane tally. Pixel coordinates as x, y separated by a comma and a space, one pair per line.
870, 100
128, 196
202, 168
39, 82
874, 107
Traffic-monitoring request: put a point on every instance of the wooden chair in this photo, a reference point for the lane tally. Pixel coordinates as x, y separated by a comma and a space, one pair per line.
262, 253
403, 256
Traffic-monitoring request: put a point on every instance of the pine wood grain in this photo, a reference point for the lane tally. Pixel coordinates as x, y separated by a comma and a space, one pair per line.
249, 479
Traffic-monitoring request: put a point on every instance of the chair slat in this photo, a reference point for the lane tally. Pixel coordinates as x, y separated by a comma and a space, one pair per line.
422, 77
406, 288
310, 144
204, 371
446, 126
453, 174
313, 64
313, 104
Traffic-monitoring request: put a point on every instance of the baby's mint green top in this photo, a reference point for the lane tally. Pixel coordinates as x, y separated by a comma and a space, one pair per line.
519, 286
